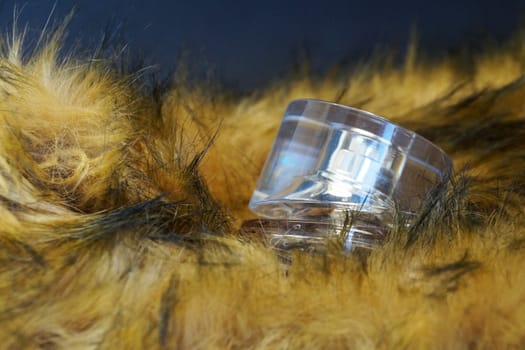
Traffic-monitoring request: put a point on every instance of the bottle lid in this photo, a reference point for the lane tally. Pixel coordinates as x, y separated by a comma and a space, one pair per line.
329, 160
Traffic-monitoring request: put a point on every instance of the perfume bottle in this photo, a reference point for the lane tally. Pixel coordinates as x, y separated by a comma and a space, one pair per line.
340, 172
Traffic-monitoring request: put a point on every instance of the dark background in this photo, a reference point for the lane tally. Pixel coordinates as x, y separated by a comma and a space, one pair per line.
250, 43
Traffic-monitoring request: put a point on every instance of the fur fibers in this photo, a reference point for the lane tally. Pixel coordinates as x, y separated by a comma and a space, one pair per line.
120, 208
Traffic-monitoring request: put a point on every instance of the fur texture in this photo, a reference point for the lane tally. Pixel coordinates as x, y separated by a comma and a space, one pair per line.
120, 209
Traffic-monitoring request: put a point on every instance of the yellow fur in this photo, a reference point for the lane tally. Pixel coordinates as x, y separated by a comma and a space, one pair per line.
119, 213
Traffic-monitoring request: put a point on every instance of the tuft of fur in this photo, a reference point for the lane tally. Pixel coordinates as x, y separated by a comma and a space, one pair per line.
119, 212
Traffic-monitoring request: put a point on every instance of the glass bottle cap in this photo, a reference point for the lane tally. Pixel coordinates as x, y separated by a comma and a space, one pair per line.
329, 160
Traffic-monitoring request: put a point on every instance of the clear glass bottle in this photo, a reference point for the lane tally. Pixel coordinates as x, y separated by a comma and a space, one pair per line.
337, 171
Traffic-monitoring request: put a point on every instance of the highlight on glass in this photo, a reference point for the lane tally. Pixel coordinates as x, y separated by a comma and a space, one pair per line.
336, 171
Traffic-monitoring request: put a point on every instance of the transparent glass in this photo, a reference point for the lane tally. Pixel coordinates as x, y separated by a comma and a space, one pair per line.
330, 162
